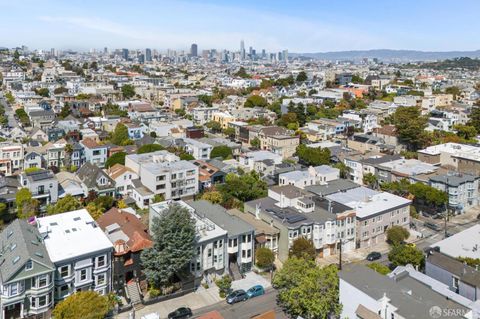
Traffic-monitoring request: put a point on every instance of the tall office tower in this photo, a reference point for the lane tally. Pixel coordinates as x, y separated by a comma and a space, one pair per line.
194, 50
285, 55
105, 50
141, 58
148, 55
206, 54
250, 51
242, 50
125, 54
264, 55
52, 51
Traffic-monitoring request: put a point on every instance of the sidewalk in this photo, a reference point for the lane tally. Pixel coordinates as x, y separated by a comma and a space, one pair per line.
355, 255
198, 299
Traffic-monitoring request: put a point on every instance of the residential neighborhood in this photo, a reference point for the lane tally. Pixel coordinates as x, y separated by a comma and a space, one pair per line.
238, 171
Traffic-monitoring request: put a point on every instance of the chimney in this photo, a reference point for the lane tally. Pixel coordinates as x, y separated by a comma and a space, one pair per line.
257, 211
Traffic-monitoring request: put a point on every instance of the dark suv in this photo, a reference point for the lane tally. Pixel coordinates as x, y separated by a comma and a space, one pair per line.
180, 313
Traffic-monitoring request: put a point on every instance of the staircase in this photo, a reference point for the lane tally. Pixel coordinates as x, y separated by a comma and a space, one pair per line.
235, 271
133, 293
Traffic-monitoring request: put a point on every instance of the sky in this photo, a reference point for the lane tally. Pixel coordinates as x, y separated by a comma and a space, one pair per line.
297, 25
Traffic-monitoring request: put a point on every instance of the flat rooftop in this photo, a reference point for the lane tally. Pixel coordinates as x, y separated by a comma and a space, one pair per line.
71, 235
463, 244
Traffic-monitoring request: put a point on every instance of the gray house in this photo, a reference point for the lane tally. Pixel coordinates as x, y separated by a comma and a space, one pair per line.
26, 272
240, 235
458, 276
95, 179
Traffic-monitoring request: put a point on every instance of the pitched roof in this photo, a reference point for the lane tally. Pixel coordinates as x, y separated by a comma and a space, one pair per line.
117, 170
120, 225
21, 242
90, 173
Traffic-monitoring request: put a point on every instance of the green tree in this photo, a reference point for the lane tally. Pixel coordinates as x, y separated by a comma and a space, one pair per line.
117, 158
242, 73
466, 132
158, 198
83, 304
410, 125
397, 234
222, 151
213, 197
380, 268
95, 210
344, 169
224, 285
229, 132
313, 156
65, 204
454, 90
173, 245
370, 180
214, 126
149, 148
401, 255
128, 91
474, 118
255, 100
43, 92
245, 188
301, 76
264, 258
120, 134
255, 143
308, 291
303, 248
26, 205
186, 157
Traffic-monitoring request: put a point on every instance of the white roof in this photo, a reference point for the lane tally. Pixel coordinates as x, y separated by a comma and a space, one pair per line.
450, 148
367, 202
463, 244
71, 235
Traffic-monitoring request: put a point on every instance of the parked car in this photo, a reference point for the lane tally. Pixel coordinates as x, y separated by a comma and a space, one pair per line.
180, 313
255, 291
237, 296
432, 226
374, 255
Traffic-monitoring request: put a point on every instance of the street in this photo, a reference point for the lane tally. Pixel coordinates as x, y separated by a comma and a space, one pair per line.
246, 309
12, 122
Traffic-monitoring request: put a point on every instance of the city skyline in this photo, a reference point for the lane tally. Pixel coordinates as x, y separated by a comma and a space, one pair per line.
324, 26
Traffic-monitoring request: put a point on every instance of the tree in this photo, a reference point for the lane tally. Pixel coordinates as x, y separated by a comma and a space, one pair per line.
370, 180
43, 92
128, 91
410, 125
95, 210
149, 148
401, 255
66, 204
242, 73
158, 198
474, 118
308, 291
186, 156
230, 132
224, 285
117, 158
214, 126
380, 268
466, 132
301, 76
26, 205
83, 304
120, 134
344, 169
213, 197
60, 90
222, 151
173, 245
244, 188
264, 258
255, 100
65, 111
121, 204
313, 156
255, 143
104, 202
454, 90
303, 248
397, 234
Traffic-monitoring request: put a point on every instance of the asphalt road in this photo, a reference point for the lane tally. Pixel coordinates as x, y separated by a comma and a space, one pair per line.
12, 122
246, 309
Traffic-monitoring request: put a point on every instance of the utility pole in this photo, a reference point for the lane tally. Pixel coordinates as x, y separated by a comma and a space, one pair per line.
340, 256
445, 219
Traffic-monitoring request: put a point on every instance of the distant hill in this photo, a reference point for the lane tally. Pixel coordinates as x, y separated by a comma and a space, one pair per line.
390, 55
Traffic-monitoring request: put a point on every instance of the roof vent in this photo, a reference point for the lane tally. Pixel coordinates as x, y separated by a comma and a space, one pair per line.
16, 259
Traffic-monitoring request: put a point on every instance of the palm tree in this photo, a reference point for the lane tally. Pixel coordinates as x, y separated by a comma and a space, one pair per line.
344, 169
68, 155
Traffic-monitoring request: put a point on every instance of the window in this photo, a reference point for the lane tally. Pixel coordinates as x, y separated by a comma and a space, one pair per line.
64, 271
83, 274
209, 252
42, 301
42, 281
100, 261
455, 282
249, 253
14, 289
100, 279
29, 265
